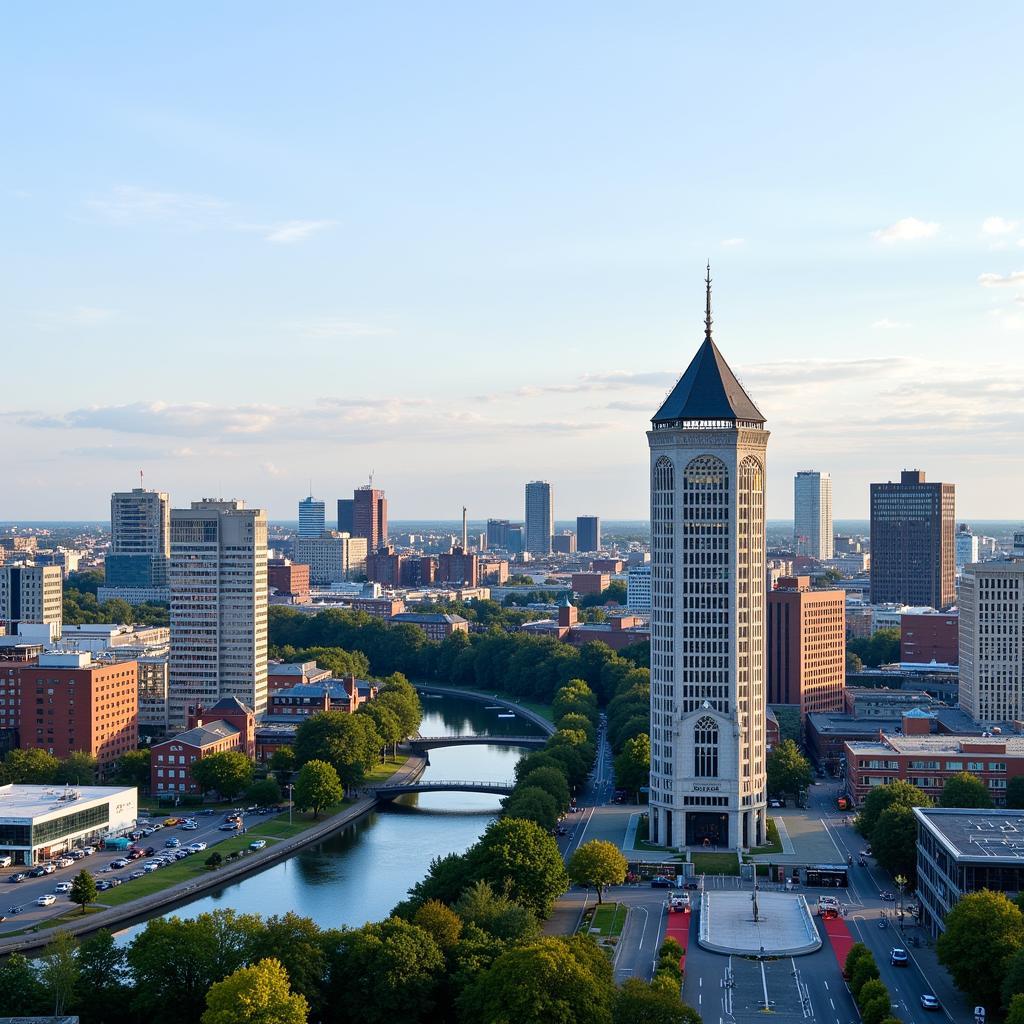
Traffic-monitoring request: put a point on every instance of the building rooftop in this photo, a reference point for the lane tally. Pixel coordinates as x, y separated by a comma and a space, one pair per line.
976, 835
943, 743
416, 617
20, 800
204, 735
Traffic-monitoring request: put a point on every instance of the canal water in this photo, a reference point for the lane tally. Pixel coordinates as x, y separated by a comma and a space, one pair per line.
360, 873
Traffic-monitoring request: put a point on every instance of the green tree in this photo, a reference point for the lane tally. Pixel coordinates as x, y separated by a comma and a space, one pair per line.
876, 1010
264, 792
303, 950
894, 841
214, 861
499, 916
385, 721
788, 770
548, 980
894, 793
633, 765
531, 803
871, 990
102, 981
1013, 972
260, 994
552, 781
639, 1003
31, 765
983, 931
520, 859
228, 772
857, 952
132, 768
282, 761
1015, 1011
865, 970
317, 786
439, 921
349, 743
59, 971
83, 889
21, 991
597, 864
1015, 792
965, 790
77, 769
853, 663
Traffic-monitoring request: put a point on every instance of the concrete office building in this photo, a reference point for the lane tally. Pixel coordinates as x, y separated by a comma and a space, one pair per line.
312, 517
497, 534
564, 543
812, 514
332, 557
218, 606
370, 516
638, 589
32, 594
346, 515
912, 550
140, 539
540, 518
992, 640
966, 547
708, 446
806, 646
588, 533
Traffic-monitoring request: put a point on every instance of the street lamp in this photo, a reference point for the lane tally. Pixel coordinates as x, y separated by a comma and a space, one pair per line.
901, 884
291, 801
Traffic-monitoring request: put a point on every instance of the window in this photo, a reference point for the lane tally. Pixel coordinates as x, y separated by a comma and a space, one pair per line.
705, 748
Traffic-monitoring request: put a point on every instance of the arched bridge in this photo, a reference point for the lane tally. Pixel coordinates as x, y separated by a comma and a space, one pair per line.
443, 786
421, 743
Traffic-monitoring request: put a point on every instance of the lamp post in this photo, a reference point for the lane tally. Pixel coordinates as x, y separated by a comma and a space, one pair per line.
901, 884
291, 801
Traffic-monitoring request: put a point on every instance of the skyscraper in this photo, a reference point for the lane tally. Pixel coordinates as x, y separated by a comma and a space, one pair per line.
140, 539
312, 517
588, 533
218, 606
346, 518
497, 534
708, 447
540, 518
812, 514
966, 547
912, 545
32, 594
370, 516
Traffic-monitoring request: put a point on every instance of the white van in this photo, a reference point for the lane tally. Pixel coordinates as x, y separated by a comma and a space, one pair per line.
6, 862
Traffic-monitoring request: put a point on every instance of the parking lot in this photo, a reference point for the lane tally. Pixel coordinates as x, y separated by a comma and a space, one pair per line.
18, 900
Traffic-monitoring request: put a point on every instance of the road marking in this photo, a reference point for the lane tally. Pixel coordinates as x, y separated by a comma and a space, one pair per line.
700, 999
700, 981
644, 932
826, 984
833, 1004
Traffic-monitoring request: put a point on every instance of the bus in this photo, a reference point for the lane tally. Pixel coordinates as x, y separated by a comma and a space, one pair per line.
829, 876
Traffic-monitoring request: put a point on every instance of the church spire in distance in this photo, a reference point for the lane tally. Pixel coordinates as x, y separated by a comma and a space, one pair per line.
707, 312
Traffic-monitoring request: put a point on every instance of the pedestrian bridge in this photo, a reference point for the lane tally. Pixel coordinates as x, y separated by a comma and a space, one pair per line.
389, 792
421, 743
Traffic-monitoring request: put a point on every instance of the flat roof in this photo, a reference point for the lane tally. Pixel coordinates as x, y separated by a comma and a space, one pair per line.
944, 743
977, 836
21, 800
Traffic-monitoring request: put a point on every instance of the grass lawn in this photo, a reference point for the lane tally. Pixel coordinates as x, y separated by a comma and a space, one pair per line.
640, 840
774, 844
608, 918
715, 863
384, 771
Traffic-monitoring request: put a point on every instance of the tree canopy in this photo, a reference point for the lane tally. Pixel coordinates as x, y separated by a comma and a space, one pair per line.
965, 790
260, 994
597, 864
788, 770
228, 772
899, 792
317, 786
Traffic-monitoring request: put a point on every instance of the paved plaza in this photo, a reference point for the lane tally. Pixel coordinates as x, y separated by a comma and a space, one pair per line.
784, 926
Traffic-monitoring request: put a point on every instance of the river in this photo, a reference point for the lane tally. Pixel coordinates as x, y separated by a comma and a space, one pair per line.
360, 873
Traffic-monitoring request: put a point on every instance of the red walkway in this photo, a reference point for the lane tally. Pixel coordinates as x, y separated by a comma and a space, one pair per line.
678, 927
840, 937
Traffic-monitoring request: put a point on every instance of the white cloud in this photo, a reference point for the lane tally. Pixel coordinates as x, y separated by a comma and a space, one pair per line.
130, 204
732, 243
909, 229
1013, 279
336, 327
998, 226
885, 324
291, 231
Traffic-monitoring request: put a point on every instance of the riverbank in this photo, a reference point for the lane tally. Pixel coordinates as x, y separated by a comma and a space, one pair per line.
538, 714
146, 906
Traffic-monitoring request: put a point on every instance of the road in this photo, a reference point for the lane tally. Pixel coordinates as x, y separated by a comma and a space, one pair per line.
24, 894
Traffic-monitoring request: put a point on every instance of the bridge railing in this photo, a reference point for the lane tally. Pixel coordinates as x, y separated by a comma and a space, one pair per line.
461, 783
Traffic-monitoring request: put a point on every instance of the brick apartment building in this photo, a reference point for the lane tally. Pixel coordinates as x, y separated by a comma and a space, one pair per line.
806, 646
436, 625
378, 607
584, 583
930, 636
346, 695
63, 703
289, 579
283, 675
458, 566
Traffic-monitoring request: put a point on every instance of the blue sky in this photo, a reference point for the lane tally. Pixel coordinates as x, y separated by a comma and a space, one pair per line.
462, 245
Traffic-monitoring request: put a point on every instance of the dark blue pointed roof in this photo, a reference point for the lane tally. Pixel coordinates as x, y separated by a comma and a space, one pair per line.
708, 390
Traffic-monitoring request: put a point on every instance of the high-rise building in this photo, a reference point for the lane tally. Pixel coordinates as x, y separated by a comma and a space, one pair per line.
497, 534
218, 606
33, 594
588, 533
458, 566
332, 557
638, 589
708, 446
312, 517
140, 539
912, 547
346, 515
540, 518
966, 547
812, 514
806, 646
370, 516
564, 543
516, 538
991, 603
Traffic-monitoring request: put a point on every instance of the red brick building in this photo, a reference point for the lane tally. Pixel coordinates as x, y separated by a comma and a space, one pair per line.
297, 702
62, 703
611, 565
281, 674
289, 579
379, 607
436, 625
584, 583
385, 567
930, 636
458, 566
806, 646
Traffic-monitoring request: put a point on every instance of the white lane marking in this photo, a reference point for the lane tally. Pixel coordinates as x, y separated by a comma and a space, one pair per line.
833, 1004
826, 983
644, 932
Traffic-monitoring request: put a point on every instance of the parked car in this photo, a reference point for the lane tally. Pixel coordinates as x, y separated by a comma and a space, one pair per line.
62, 887
136, 874
189, 825
197, 847
173, 842
774, 802
77, 854
46, 900
149, 851
207, 810
121, 862
88, 850
18, 876
898, 957
64, 862
104, 885
6, 862
662, 882
150, 867
171, 822
116, 881
929, 1002
257, 844
228, 826
135, 854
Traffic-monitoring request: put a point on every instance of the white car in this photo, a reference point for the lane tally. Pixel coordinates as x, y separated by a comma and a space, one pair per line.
88, 850
64, 862
46, 900
150, 868
189, 826
63, 887
257, 844
197, 847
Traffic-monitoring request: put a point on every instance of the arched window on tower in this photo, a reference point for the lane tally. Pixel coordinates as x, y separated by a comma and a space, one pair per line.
705, 748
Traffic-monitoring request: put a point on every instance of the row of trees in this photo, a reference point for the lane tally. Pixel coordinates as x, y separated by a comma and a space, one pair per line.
788, 771
81, 605
869, 991
39, 767
881, 648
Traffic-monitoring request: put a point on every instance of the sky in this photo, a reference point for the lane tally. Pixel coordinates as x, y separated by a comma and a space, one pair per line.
249, 246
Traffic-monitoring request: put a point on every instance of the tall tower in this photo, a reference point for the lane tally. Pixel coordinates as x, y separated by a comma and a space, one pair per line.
369, 516
540, 517
312, 517
708, 448
140, 539
812, 514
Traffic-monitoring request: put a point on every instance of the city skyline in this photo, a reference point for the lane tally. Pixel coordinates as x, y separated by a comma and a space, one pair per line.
180, 224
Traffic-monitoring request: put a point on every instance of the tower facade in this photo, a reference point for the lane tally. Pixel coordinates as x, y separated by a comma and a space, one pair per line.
708, 447
369, 516
140, 539
812, 514
540, 517
312, 517
588, 533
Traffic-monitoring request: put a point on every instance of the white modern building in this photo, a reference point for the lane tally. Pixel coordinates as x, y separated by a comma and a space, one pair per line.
218, 606
812, 514
638, 589
991, 600
965, 547
332, 557
40, 822
140, 539
540, 518
31, 593
707, 448
312, 517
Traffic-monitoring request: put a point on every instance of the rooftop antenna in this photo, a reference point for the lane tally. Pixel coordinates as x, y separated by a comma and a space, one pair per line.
371, 478
140, 478
465, 535
707, 313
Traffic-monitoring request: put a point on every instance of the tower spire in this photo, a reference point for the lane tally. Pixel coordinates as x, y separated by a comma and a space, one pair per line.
707, 313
